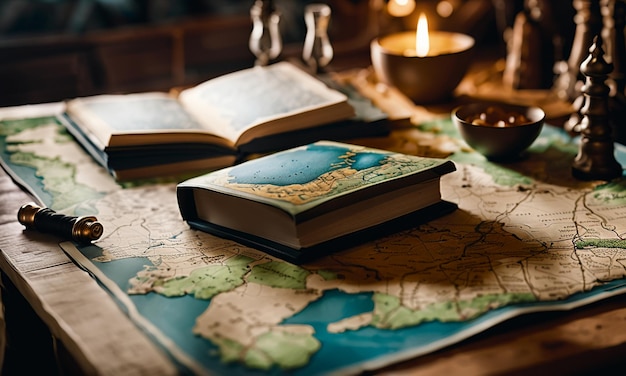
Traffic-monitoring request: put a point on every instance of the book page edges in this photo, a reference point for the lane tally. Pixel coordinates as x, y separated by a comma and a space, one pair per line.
163, 137
272, 223
173, 169
303, 255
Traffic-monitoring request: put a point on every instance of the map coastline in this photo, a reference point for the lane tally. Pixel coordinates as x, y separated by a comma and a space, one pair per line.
521, 232
439, 334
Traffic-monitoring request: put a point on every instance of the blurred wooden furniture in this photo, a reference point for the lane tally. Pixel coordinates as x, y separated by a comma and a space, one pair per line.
46, 69
37, 68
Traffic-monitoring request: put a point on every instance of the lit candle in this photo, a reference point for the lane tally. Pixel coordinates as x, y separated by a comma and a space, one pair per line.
426, 65
422, 40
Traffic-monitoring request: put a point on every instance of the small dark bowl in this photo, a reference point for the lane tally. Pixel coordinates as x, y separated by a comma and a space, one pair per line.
499, 143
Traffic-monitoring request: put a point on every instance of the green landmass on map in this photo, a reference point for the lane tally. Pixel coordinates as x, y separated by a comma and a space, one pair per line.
279, 274
10, 127
57, 175
613, 192
207, 281
601, 243
390, 313
59, 179
275, 348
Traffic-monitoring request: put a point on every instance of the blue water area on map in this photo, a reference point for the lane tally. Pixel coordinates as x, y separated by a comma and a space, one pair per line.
26, 173
176, 317
301, 166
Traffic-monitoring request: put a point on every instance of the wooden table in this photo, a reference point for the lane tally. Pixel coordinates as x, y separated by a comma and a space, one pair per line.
52, 309
74, 310
56, 310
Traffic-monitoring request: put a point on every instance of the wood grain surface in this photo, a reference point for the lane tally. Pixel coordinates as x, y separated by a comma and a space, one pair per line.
78, 312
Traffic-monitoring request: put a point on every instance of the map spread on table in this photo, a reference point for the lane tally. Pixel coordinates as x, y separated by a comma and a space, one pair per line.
526, 237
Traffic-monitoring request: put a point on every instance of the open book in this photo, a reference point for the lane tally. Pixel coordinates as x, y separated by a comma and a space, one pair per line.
256, 110
307, 201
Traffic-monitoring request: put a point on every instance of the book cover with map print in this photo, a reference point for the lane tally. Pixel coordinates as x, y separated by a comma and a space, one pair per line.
308, 201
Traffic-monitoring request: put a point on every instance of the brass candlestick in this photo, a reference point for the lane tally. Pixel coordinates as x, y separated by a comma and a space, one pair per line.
596, 159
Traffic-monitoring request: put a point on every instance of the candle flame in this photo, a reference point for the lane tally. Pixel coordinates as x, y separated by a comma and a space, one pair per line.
422, 40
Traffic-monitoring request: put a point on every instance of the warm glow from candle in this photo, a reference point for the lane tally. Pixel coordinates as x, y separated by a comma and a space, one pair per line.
422, 40
400, 8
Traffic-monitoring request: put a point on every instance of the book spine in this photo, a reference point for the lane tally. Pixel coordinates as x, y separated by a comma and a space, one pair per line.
186, 203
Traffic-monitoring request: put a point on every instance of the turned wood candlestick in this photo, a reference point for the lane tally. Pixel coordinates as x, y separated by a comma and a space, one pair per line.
596, 158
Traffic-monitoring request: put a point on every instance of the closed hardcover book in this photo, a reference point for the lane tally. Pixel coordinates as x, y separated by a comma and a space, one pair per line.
312, 200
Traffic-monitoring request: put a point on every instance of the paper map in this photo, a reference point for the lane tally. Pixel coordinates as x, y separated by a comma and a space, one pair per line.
526, 237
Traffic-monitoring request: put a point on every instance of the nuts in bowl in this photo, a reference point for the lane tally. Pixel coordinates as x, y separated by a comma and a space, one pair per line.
498, 131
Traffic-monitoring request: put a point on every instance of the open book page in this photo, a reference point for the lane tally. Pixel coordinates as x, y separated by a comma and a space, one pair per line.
136, 119
262, 101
